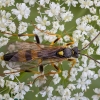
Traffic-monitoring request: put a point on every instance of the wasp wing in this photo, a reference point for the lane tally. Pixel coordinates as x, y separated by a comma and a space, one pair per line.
14, 47
20, 49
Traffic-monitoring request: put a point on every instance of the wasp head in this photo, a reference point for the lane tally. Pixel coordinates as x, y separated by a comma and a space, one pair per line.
75, 52
68, 52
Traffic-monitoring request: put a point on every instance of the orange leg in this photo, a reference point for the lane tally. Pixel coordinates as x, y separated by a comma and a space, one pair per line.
73, 63
19, 35
67, 44
70, 43
49, 73
58, 36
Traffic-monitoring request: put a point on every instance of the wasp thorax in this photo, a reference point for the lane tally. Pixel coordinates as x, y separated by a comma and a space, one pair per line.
67, 52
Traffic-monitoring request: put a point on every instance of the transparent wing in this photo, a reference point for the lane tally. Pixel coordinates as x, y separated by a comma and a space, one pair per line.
29, 46
13, 47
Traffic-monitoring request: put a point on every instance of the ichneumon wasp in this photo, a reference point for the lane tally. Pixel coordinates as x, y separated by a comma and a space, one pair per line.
42, 55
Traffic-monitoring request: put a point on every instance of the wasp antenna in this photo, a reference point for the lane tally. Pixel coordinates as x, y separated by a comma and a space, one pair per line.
90, 57
90, 42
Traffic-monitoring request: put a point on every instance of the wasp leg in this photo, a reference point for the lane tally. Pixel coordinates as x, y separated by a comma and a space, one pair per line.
73, 63
46, 74
26, 70
58, 38
72, 60
19, 35
35, 35
34, 72
70, 43
41, 68
56, 67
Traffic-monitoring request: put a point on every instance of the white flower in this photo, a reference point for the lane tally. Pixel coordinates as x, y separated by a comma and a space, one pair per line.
36, 31
72, 78
97, 96
8, 3
97, 3
54, 10
92, 10
55, 24
56, 79
40, 79
98, 22
98, 51
99, 72
90, 51
69, 2
85, 3
67, 16
3, 41
20, 90
47, 90
50, 38
78, 21
23, 11
79, 96
71, 87
53, 30
95, 18
31, 2
66, 38
83, 27
65, 73
60, 89
42, 22
1, 97
22, 27
61, 27
98, 63
97, 40
60, 41
2, 81
24, 38
73, 72
66, 94
4, 20
11, 48
12, 73
2, 62
87, 18
42, 2
54, 98
10, 84
19, 96
86, 69
95, 76
7, 97
82, 83
85, 43
88, 73
92, 64
84, 59
12, 27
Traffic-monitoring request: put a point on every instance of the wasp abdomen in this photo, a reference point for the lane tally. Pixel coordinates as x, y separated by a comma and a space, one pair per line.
20, 56
9, 56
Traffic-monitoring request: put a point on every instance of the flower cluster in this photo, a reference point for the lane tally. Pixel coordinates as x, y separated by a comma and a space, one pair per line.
52, 22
